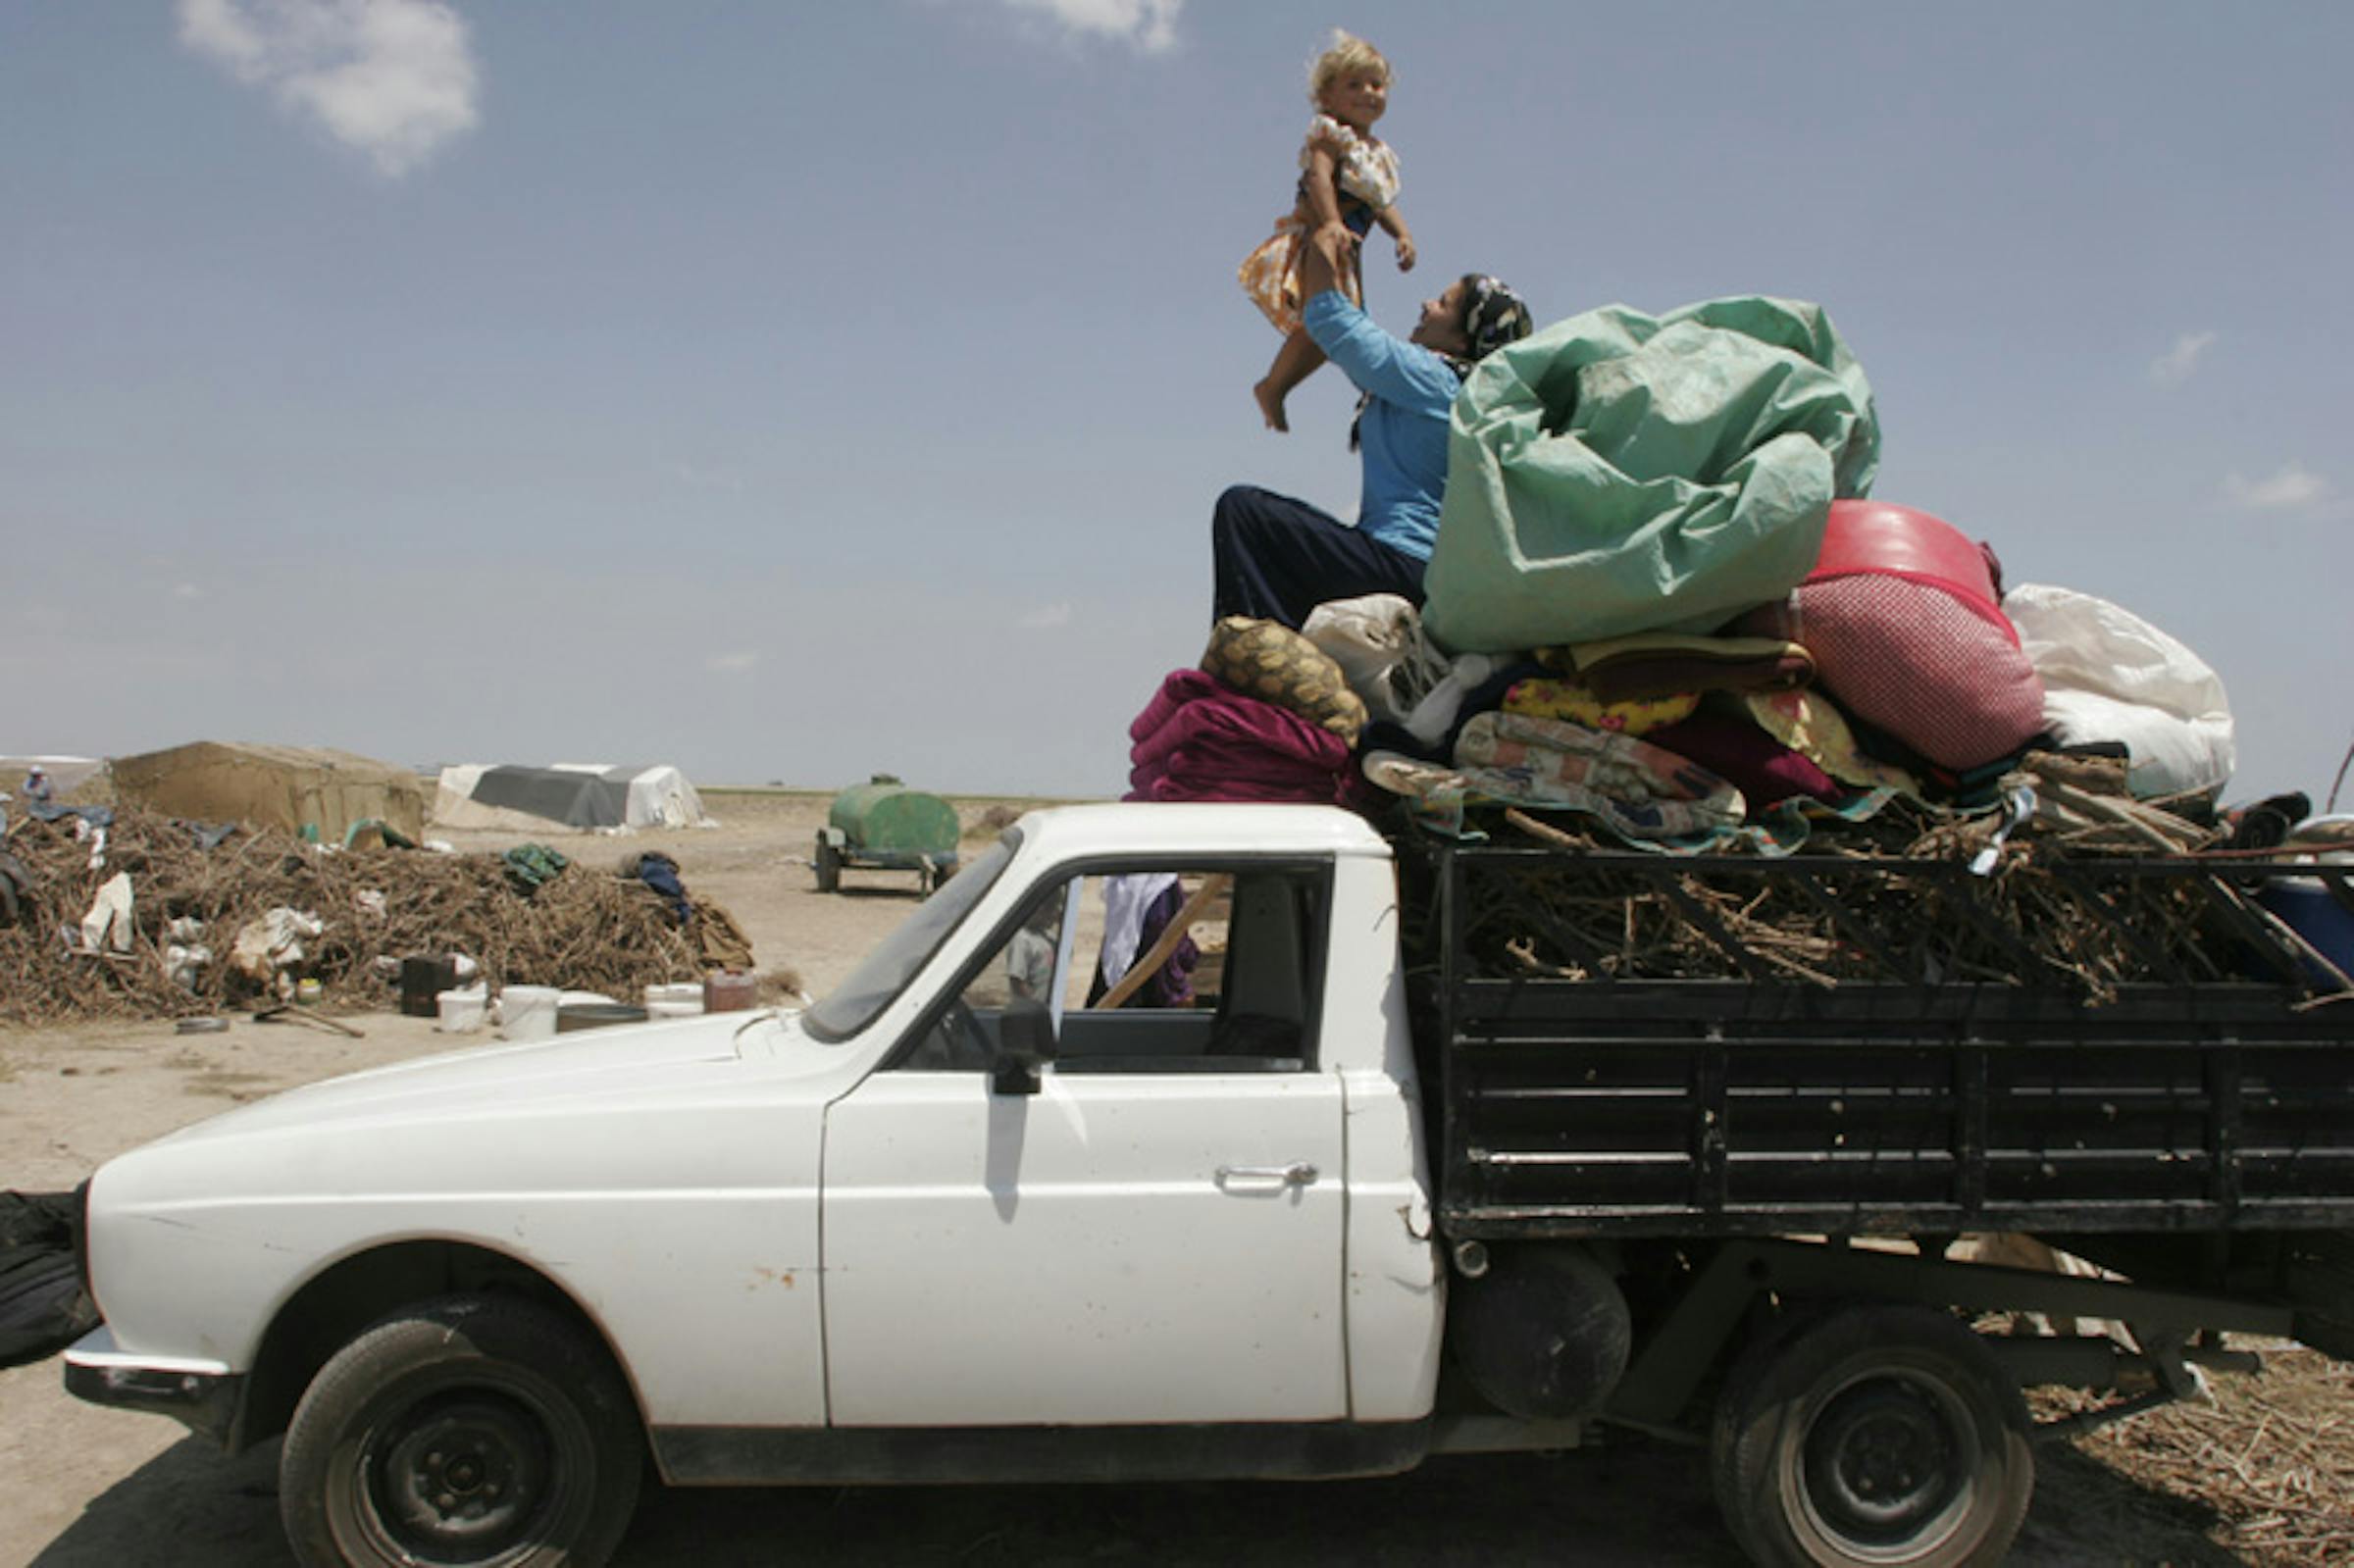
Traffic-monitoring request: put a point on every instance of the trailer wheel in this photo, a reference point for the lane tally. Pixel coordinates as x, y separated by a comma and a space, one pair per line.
471, 1430
828, 861
1880, 1435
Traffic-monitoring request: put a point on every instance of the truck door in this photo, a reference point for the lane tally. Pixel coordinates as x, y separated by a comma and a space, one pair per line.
1154, 1236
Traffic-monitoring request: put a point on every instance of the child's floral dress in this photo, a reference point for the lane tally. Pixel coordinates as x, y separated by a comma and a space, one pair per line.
1365, 177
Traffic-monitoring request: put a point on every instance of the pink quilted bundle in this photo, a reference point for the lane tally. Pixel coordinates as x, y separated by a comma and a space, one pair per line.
1904, 619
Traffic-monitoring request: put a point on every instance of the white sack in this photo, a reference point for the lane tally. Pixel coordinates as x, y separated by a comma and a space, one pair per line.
1377, 641
108, 924
273, 942
2108, 675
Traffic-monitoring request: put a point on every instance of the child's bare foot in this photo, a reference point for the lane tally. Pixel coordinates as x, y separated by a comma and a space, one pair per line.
1271, 405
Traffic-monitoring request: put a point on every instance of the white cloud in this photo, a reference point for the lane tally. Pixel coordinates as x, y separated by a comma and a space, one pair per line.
735, 662
393, 79
1150, 26
2294, 488
2175, 367
187, 591
1046, 618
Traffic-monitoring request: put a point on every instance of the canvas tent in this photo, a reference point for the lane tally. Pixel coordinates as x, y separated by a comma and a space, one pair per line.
579, 795
280, 786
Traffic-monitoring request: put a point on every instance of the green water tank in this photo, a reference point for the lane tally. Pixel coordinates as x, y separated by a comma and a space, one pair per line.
883, 814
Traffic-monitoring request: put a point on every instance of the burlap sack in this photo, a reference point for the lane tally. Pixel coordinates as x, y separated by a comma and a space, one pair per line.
1273, 663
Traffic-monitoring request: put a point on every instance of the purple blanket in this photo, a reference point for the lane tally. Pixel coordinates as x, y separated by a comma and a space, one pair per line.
1199, 740
1761, 767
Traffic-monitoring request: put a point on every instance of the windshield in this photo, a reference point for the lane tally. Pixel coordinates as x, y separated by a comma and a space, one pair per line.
852, 1005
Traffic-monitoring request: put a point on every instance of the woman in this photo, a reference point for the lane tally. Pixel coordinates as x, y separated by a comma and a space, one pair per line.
1275, 558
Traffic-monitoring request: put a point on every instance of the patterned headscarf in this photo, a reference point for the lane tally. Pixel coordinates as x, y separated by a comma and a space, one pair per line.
1493, 314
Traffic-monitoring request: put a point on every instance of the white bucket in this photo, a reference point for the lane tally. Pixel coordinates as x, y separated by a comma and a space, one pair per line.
527, 1012
681, 1001
461, 1011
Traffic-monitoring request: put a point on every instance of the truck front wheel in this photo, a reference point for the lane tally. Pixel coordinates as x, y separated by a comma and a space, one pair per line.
474, 1430
1878, 1434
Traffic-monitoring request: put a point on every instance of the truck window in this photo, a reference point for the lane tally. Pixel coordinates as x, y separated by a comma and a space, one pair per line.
852, 1005
1155, 970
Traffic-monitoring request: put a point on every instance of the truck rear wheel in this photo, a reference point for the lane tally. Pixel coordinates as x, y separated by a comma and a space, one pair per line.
1878, 1434
471, 1430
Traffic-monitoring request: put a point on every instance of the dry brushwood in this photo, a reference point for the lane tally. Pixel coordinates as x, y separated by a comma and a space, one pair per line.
1887, 901
584, 928
2272, 1457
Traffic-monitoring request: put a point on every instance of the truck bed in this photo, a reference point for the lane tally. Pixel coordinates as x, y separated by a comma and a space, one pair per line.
1848, 1045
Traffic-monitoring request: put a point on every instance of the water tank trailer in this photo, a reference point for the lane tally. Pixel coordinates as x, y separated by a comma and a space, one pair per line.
882, 824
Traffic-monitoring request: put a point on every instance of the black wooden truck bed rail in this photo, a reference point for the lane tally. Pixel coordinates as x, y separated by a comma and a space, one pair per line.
2130, 1045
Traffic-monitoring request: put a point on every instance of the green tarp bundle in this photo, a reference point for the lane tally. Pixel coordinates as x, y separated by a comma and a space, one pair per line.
1619, 473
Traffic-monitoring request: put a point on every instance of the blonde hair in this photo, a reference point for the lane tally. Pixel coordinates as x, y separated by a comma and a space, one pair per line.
1346, 53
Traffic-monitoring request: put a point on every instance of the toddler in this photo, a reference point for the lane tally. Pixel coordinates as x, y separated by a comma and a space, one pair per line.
1349, 176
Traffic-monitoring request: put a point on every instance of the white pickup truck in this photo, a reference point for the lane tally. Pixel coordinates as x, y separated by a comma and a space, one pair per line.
1115, 1162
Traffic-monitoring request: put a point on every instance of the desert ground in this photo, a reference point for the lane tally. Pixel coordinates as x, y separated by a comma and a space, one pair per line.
98, 1488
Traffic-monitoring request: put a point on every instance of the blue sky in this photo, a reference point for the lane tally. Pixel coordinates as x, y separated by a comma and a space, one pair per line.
799, 390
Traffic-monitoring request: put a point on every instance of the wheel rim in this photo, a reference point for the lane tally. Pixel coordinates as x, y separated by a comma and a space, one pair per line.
1887, 1466
464, 1475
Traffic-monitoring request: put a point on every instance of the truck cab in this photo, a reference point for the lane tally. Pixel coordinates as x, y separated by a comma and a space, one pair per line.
1145, 1105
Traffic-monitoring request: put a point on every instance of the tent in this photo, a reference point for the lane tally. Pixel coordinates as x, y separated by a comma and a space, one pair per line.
573, 794
295, 787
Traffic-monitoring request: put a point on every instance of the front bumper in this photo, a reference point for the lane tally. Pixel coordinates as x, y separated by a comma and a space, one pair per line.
202, 1395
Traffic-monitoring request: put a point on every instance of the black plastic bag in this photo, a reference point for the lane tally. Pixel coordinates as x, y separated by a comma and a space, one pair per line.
43, 1307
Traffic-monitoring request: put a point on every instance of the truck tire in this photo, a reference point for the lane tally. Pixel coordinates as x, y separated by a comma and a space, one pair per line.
1876, 1434
474, 1430
828, 864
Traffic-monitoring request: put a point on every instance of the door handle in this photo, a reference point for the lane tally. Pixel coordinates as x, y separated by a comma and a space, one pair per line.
1300, 1173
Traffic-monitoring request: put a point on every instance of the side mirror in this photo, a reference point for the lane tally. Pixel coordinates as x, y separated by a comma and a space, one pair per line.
1025, 1044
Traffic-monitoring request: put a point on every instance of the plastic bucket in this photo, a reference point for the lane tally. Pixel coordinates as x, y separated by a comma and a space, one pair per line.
527, 1012
729, 990
461, 1011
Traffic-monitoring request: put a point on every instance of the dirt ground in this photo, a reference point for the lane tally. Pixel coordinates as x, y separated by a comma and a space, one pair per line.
96, 1488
